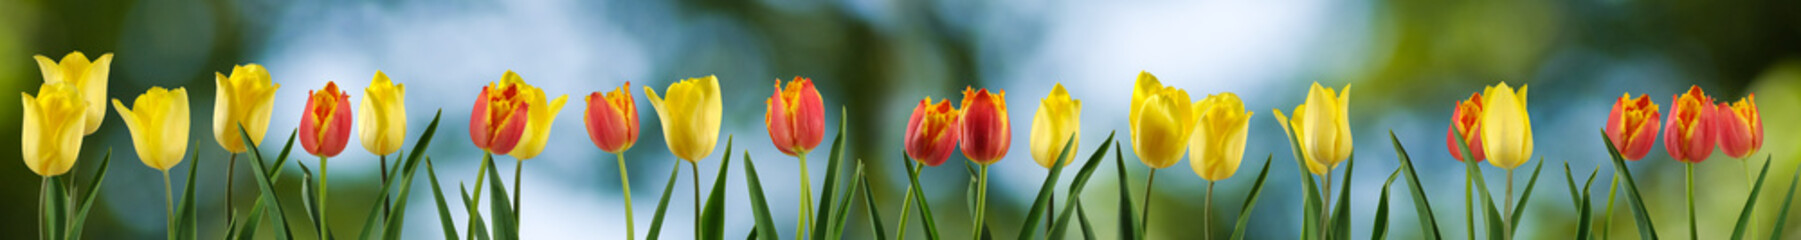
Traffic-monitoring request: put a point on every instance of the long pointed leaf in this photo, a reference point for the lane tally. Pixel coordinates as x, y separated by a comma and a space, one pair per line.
1744, 216
1782, 215
1029, 229
875, 214
392, 230
821, 222
1646, 229
1583, 218
1492, 217
925, 207
189, 221
1380, 230
1127, 228
445, 221
1341, 214
1077, 184
838, 218
501, 207
1421, 205
765, 228
656, 221
1310, 219
93, 192
712, 218
258, 210
478, 228
1520, 208
1250, 200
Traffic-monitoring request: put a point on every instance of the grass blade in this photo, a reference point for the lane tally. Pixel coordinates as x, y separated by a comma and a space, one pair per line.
1645, 226
93, 191
1341, 213
1127, 228
1310, 219
822, 221
838, 218
1082, 214
1744, 216
1029, 229
656, 222
189, 226
1380, 230
1250, 200
712, 217
925, 207
478, 228
1421, 205
444, 220
501, 207
1077, 184
875, 214
765, 228
1520, 208
1583, 218
1782, 215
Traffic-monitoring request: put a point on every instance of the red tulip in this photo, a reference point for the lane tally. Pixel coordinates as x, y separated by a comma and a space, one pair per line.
1632, 126
1692, 131
612, 119
796, 117
1467, 120
325, 127
498, 119
1742, 130
932, 132
985, 131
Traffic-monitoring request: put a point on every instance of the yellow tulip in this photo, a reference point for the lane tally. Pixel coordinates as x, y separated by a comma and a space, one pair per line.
1059, 117
1161, 120
1506, 127
87, 77
381, 122
538, 119
52, 128
1217, 144
690, 116
1322, 127
245, 98
159, 126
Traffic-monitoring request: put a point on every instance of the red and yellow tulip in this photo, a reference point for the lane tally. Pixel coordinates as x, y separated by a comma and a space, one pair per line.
1741, 130
499, 117
1691, 132
537, 126
325, 127
612, 119
795, 117
1632, 125
984, 126
1466, 121
932, 132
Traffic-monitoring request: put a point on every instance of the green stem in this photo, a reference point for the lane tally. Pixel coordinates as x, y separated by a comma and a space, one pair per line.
696, 167
1507, 209
626, 187
1751, 228
806, 199
906, 202
231, 170
981, 202
1207, 214
1325, 211
385, 203
44, 193
1693, 232
476, 199
518, 166
1144, 221
324, 196
1469, 206
169, 203
1607, 230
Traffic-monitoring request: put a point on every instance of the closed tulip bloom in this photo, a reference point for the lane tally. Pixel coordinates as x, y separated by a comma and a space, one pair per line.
932, 132
986, 131
1506, 127
690, 116
383, 126
52, 128
796, 117
1322, 127
1741, 132
499, 117
87, 77
246, 98
1058, 119
537, 126
612, 119
1162, 118
1691, 132
1466, 121
1632, 126
159, 126
1217, 144
325, 126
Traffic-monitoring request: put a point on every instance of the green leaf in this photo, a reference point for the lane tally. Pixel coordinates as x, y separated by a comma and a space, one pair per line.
1077, 184
925, 208
1341, 215
1029, 229
189, 226
1570, 179
822, 222
392, 230
1421, 205
477, 227
1127, 228
1492, 216
838, 218
656, 222
57, 204
1380, 230
1520, 208
308, 188
444, 219
759, 206
875, 215
257, 210
500, 209
1250, 200
1645, 226
1082, 213
712, 217
1744, 216
1310, 219
1782, 215
93, 192
1583, 218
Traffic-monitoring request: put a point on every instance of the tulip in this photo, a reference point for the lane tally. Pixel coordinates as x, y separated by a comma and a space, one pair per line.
325, 126
796, 117
1219, 136
985, 129
612, 119
690, 116
1690, 134
159, 126
52, 128
1466, 121
537, 126
1161, 120
1506, 127
1322, 127
245, 98
383, 126
1741, 130
498, 120
1058, 119
1632, 125
89, 78
932, 132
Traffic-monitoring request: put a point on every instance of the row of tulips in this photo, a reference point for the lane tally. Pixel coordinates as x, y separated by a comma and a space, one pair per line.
511, 117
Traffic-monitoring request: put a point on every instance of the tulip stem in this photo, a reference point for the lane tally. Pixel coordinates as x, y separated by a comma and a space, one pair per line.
981, 202
1144, 220
169, 202
384, 182
518, 166
907, 202
625, 186
1207, 214
231, 169
1693, 233
806, 199
1751, 229
476, 199
1469, 205
696, 167
1507, 206
1607, 230
324, 195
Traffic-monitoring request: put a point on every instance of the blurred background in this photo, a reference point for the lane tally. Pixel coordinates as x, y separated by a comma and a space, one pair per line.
875, 59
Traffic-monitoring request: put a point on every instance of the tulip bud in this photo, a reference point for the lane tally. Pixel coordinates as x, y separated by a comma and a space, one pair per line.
159, 126
1058, 119
245, 98
499, 117
537, 126
1632, 126
1467, 122
690, 116
795, 117
383, 126
52, 128
1692, 131
612, 119
932, 132
1162, 119
1741, 133
1217, 144
1322, 128
984, 126
89, 78
325, 127
1506, 127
